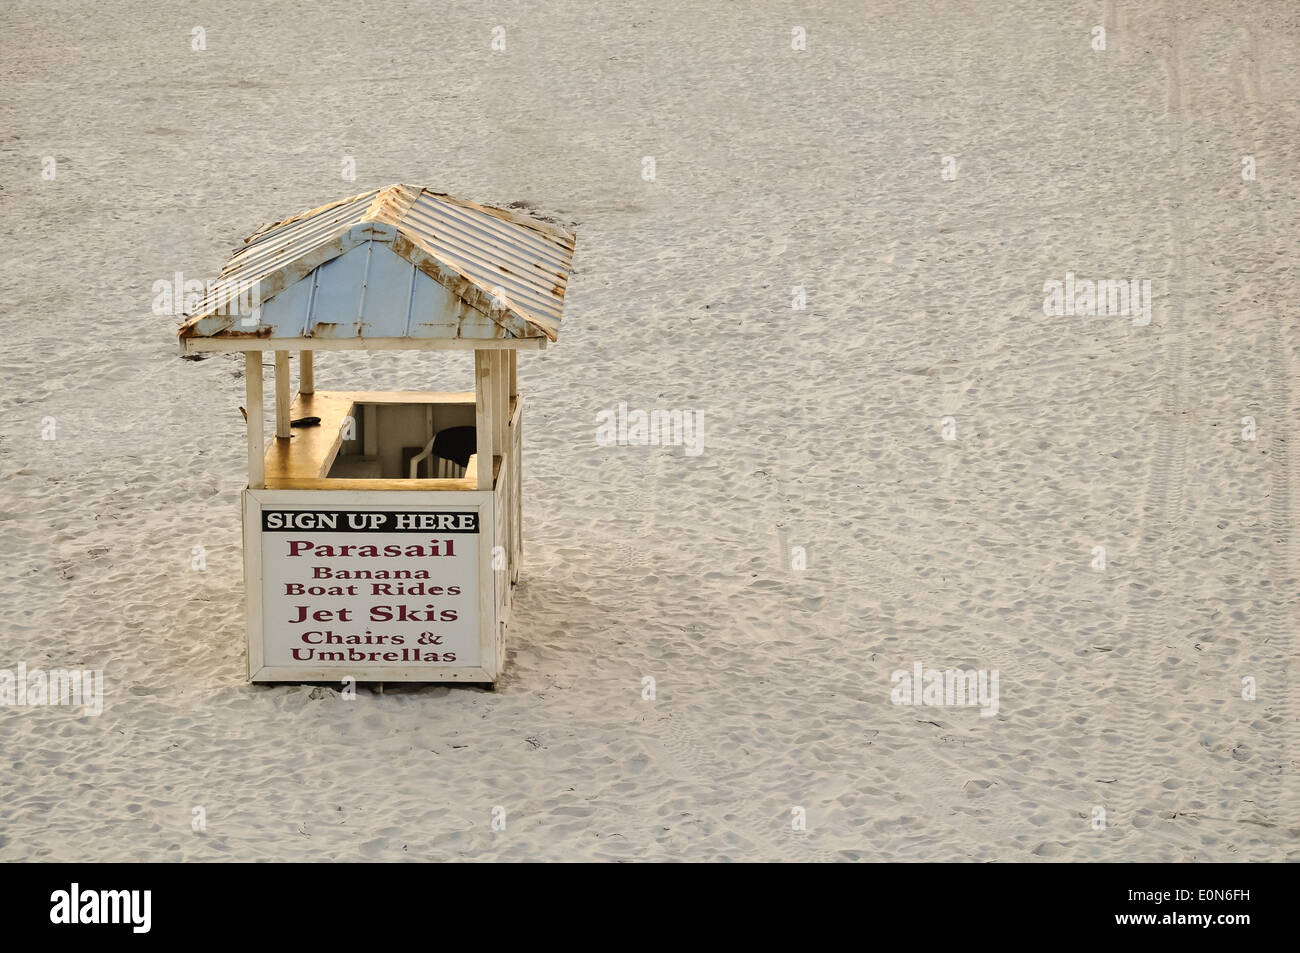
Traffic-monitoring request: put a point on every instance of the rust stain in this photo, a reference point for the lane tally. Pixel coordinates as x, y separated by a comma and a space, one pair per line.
236, 331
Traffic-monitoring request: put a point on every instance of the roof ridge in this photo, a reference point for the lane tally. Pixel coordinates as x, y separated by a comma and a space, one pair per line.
391, 204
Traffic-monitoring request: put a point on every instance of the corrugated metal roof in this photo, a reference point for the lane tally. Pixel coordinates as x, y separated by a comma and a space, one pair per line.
394, 262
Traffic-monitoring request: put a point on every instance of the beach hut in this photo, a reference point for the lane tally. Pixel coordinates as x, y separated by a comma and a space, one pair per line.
382, 530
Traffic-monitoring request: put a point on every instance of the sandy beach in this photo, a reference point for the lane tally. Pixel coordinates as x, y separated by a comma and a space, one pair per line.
841, 267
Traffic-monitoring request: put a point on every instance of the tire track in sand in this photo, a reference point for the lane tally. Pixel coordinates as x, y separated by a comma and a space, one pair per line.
1276, 800
1130, 802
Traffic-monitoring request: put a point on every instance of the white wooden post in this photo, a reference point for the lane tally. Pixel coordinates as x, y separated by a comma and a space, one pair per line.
282, 394
502, 423
306, 373
516, 475
512, 468
485, 398
253, 398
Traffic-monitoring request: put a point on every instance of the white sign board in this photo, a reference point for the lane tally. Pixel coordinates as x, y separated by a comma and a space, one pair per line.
351, 589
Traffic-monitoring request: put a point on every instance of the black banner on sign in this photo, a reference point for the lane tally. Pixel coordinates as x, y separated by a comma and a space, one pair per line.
280, 520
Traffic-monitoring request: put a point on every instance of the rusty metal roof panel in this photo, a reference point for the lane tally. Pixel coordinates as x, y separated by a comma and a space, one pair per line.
396, 262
